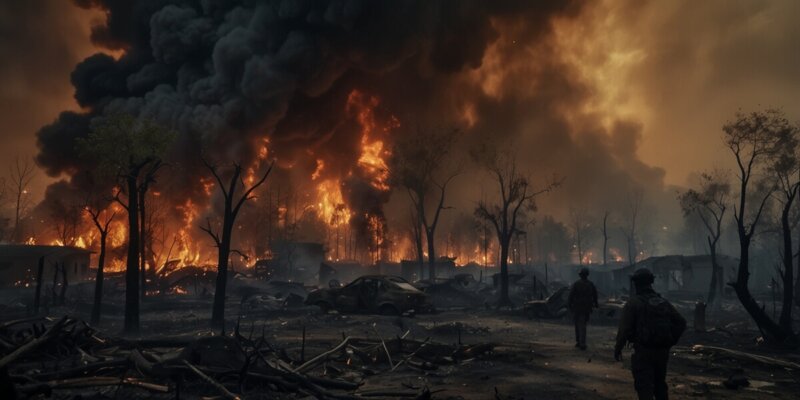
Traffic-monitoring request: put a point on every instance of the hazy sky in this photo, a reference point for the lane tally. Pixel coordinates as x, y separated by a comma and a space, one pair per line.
680, 68
40, 43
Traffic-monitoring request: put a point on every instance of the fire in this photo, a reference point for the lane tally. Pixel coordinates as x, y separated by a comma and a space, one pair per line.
251, 173
318, 171
331, 208
372, 160
615, 255
80, 242
187, 253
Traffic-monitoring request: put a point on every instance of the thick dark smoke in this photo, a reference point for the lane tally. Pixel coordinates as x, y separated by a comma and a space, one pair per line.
226, 74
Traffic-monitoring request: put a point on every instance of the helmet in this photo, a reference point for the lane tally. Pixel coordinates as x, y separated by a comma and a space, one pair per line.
643, 276
584, 272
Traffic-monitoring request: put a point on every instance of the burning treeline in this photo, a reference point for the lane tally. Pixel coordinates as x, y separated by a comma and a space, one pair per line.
326, 89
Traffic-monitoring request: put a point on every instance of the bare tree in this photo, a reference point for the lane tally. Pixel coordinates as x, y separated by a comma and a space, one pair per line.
416, 233
754, 139
235, 186
634, 203
606, 214
419, 164
96, 207
21, 174
516, 196
127, 148
785, 167
709, 202
145, 231
580, 227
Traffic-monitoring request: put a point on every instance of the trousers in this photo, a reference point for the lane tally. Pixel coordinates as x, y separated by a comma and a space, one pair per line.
581, 319
649, 367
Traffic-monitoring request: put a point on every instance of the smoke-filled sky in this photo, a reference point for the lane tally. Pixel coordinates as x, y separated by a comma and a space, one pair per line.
601, 92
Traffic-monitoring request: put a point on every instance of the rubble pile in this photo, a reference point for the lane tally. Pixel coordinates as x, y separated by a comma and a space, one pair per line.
42, 356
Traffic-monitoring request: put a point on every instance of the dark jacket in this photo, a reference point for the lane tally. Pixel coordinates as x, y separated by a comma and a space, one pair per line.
582, 297
634, 310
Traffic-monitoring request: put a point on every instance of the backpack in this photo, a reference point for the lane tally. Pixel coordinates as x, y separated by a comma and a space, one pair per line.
655, 323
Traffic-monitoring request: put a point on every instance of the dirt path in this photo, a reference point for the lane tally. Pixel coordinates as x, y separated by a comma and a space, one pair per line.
537, 360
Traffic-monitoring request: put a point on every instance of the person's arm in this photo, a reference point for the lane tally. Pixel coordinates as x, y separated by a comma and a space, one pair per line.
594, 296
625, 330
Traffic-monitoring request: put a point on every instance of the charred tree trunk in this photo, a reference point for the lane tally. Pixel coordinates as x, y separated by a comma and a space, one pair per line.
218, 312
132, 267
431, 255
504, 300
605, 239
98, 284
417, 228
715, 274
142, 240
768, 327
38, 296
797, 278
785, 320
223, 241
631, 250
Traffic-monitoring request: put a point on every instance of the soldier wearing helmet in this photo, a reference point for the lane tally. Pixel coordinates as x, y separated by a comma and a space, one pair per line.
582, 298
652, 325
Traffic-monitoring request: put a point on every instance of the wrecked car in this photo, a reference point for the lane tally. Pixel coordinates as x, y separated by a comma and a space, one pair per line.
461, 291
372, 294
554, 306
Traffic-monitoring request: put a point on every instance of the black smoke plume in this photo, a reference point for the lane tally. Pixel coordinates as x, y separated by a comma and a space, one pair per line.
227, 74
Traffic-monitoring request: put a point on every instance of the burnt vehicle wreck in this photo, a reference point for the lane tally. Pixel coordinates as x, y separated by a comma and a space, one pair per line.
372, 294
554, 306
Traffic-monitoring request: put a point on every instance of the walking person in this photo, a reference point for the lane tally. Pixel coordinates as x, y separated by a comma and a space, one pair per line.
653, 325
582, 299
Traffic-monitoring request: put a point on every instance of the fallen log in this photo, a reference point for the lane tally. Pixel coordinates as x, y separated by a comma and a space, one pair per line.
33, 344
385, 349
94, 381
222, 389
314, 361
77, 371
8, 324
306, 383
740, 355
388, 393
405, 359
334, 383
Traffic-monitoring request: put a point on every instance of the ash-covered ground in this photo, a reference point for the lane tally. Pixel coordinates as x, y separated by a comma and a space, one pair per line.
458, 354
